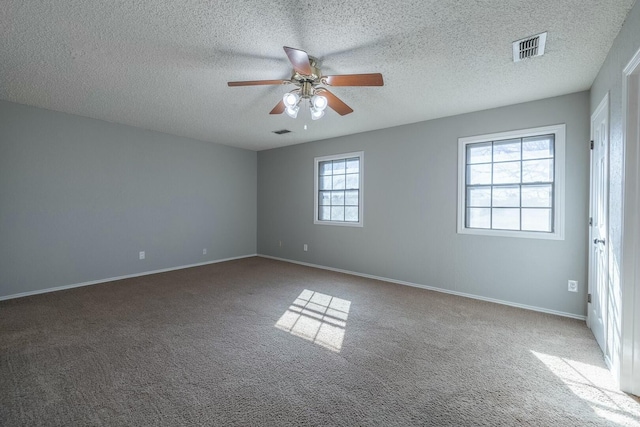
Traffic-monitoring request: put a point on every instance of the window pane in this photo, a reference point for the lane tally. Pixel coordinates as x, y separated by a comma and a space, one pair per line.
325, 182
353, 181
325, 168
537, 171
338, 167
504, 151
478, 174
534, 196
506, 219
351, 213
536, 220
338, 189
353, 165
537, 147
479, 218
338, 182
479, 196
324, 198
325, 213
479, 153
506, 196
509, 181
337, 198
337, 213
506, 173
351, 197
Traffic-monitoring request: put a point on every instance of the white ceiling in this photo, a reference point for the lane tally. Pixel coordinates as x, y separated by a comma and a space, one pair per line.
164, 64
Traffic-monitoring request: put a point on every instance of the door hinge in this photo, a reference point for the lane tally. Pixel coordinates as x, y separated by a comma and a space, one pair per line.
588, 298
592, 144
590, 220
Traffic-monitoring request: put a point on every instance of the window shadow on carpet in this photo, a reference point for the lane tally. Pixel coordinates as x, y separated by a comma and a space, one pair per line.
317, 317
595, 386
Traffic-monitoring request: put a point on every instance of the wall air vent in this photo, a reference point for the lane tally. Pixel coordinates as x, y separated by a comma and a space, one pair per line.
281, 131
530, 47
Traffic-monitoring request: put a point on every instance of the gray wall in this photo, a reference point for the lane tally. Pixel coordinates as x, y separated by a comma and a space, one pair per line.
410, 196
609, 80
79, 198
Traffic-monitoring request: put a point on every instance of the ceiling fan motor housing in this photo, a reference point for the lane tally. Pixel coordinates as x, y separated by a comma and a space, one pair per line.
314, 77
307, 89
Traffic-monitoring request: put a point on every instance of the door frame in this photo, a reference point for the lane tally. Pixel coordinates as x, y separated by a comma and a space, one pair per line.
629, 373
603, 105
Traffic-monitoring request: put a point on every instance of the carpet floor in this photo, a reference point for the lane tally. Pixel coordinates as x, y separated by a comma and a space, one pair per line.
262, 342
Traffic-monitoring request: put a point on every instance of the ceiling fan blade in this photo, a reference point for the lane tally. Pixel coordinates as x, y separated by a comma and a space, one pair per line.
334, 102
278, 109
299, 59
258, 82
373, 79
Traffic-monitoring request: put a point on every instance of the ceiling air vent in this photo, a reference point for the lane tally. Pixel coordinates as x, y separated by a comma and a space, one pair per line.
530, 47
281, 131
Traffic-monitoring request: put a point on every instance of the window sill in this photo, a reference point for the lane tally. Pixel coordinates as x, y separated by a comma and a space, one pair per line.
339, 223
508, 233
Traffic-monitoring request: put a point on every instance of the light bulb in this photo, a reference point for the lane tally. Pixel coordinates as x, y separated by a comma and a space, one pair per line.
290, 99
319, 102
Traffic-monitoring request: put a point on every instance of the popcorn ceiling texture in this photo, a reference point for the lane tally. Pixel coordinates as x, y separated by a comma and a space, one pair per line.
163, 65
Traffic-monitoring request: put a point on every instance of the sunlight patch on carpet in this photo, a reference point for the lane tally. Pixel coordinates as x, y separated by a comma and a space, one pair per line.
318, 318
595, 386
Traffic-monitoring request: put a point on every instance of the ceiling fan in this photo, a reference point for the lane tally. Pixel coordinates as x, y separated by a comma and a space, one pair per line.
307, 76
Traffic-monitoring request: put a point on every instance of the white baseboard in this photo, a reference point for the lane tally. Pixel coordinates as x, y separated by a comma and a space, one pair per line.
432, 288
111, 279
338, 270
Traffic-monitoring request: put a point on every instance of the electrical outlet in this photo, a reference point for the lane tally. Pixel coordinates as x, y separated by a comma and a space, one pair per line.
280, 243
204, 251
573, 286
142, 255
305, 247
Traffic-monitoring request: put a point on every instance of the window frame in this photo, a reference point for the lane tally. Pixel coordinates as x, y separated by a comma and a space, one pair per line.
559, 132
316, 190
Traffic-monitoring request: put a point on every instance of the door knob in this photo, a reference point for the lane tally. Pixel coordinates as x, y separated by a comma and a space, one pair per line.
596, 241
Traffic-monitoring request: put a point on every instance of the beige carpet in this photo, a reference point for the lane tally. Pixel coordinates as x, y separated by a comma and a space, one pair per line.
262, 342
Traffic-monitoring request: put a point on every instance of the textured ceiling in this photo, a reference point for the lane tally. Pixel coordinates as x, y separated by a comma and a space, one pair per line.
163, 64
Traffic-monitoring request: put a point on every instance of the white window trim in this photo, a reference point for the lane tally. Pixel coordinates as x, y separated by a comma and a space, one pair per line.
559, 181
316, 161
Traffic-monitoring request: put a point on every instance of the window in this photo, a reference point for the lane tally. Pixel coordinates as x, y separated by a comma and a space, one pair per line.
338, 189
512, 183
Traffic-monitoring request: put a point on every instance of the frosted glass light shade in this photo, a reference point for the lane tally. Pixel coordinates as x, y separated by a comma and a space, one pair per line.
290, 99
316, 114
319, 102
292, 111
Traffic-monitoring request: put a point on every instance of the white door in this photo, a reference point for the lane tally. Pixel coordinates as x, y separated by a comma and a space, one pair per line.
629, 373
598, 244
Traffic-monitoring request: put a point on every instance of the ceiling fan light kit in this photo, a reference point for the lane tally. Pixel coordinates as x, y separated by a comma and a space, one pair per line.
307, 76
